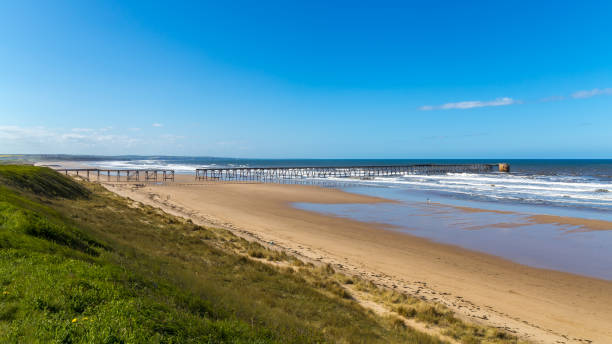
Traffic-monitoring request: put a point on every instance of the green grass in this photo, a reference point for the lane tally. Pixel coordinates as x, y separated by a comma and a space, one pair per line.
81, 265
41, 181
48, 298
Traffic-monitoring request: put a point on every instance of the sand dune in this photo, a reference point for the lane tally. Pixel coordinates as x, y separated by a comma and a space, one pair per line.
540, 305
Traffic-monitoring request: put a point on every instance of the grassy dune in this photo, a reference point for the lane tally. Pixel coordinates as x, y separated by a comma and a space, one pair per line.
81, 265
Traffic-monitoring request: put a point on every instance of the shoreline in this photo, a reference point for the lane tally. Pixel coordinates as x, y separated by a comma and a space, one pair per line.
537, 304
581, 223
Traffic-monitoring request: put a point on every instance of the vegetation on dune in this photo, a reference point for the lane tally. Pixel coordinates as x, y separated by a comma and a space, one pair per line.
41, 181
81, 265
59, 285
47, 298
437, 315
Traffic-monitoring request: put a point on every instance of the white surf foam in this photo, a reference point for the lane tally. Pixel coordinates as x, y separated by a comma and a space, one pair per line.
562, 190
145, 164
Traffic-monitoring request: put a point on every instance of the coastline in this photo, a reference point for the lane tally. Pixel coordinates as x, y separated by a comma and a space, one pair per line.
537, 304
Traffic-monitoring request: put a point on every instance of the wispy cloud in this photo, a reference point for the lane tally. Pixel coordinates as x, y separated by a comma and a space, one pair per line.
44, 139
591, 93
158, 125
13, 132
471, 104
82, 130
82, 136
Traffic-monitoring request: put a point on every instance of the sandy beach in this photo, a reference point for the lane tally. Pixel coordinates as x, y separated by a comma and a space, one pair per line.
538, 305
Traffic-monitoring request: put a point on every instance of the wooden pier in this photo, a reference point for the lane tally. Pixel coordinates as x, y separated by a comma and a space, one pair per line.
279, 173
121, 175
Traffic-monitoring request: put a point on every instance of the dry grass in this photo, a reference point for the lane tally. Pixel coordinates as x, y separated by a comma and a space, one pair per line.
435, 314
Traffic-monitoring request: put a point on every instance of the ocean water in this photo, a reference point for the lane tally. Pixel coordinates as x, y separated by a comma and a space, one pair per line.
564, 184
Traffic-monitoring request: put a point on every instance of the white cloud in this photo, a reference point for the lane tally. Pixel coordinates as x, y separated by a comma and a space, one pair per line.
81, 140
158, 125
591, 93
82, 130
79, 136
73, 136
471, 104
13, 132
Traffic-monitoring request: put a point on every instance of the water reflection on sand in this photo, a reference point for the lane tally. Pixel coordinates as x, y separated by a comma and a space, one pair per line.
508, 234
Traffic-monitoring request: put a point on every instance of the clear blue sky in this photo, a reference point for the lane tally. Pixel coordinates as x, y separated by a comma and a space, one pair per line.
439, 79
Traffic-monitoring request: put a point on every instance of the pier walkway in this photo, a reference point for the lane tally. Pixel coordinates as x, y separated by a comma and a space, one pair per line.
282, 173
121, 175
277, 173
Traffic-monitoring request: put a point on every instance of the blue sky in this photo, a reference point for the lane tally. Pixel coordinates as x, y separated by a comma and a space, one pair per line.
437, 79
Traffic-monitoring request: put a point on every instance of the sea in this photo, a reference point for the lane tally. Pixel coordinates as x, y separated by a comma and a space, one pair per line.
576, 183
428, 205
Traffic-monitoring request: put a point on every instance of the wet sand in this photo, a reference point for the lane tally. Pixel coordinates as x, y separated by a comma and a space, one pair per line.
580, 223
537, 304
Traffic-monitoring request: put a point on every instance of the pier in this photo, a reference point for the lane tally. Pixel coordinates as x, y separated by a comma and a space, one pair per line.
128, 175
279, 173
282, 173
